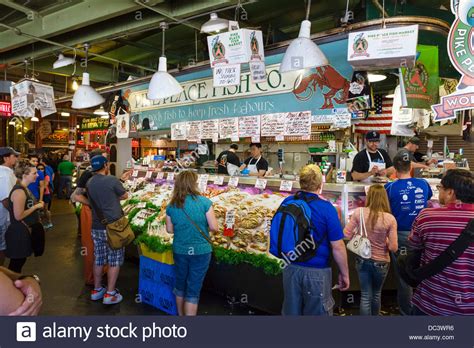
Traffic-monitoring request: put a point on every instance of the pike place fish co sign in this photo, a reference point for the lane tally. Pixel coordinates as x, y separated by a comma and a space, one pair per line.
461, 54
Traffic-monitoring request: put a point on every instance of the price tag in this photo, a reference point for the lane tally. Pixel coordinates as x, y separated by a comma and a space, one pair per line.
141, 205
170, 177
149, 174
215, 138
234, 138
234, 181
135, 173
150, 188
255, 139
280, 138
229, 223
203, 178
286, 185
261, 184
267, 222
202, 186
306, 137
160, 175
219, 180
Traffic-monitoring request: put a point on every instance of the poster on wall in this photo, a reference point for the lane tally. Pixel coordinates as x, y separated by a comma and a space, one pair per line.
178, 131
209, 128
359, 97
194, 131
134, 121
249, 127
123, 125
28, 95
229, 128
298, 124
273, 125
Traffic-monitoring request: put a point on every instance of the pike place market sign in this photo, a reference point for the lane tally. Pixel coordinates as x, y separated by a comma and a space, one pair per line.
202, 91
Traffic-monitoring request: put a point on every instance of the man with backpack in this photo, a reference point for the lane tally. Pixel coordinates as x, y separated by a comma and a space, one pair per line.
304, 231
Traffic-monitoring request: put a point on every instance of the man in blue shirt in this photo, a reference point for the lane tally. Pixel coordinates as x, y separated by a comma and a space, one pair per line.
37, 187
408, 197
307, 285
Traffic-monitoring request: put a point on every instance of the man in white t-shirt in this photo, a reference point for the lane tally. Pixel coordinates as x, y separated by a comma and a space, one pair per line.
8, 158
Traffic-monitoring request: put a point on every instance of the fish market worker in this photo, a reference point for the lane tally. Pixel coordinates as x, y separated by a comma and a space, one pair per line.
256, 164
372, 160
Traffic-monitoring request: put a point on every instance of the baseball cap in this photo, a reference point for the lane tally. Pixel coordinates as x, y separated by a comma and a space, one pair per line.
372, 136
5, 151
414, 140
98, 162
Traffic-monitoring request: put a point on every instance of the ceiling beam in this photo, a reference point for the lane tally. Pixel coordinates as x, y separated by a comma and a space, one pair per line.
31, 14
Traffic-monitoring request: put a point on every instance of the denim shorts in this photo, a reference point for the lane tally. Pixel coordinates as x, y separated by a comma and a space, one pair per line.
103, 253
190, 271
3, 229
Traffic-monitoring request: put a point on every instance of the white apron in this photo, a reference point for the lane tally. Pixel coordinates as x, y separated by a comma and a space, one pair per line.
253, 167
381, 166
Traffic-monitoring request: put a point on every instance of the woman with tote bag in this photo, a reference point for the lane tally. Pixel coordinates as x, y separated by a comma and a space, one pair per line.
375, 223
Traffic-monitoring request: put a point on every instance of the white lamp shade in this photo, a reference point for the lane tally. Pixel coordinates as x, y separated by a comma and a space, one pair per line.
63, 61
162, 84
86, 97
376, 77
215, 24
303, 53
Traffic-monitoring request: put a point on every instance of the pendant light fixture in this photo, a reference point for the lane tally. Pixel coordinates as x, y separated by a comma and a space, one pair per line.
162, 84
215, 25
86, 97
303, 53
34, 119
63, 61
75, 85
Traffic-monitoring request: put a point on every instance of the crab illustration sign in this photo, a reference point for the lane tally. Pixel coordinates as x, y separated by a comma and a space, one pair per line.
461, 54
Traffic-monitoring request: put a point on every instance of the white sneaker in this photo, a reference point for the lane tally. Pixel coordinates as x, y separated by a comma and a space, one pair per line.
113, 298
98, 294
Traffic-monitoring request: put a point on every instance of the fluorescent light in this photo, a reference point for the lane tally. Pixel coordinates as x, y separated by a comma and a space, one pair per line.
215, 24
390, 96
65, 114
63, 61
35, 119
303, 53
86, 96
162, 84
101, 112
376, 77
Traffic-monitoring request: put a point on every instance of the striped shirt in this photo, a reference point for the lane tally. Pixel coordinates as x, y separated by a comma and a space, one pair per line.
451, 291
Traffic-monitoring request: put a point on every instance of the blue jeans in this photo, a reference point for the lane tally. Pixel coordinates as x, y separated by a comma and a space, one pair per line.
372, 275
404, 291
307, 291
190, 272
65, 182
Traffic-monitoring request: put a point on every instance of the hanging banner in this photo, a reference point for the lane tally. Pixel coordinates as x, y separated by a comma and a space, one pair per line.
273, 125
178, 131
229, 128
209, 128
422, 81
226, 75
462, 57
249, 126
298, 124
123, 125
134, 120
28, 95
94, 123
258, 72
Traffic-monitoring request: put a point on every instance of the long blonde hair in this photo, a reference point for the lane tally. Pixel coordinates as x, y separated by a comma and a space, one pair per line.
185, 184
377, 202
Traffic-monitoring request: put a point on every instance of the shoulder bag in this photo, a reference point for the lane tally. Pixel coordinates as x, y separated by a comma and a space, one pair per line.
197, 227
409, 264
360, 244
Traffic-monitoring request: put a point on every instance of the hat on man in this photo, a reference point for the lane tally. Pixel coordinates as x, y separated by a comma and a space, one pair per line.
6, 151
372, 136
98, 162
414, 140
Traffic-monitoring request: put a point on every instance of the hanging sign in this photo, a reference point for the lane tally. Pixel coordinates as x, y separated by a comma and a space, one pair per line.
226, 75
298, 124
228, 128
178, 131
249, 126
209, 128
462, 57
383, 48
258, 72
123, 125
273, 125
28, 95
94, 123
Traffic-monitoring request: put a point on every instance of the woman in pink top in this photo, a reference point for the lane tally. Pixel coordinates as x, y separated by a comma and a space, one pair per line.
382, 232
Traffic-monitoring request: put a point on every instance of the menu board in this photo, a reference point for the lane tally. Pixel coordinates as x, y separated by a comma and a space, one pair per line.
194, 130
249, 126
298, 123
178, 131
209, 128
228, 128
273, 125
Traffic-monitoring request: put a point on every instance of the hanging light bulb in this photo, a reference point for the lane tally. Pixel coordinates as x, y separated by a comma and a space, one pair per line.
75, 85
34, 119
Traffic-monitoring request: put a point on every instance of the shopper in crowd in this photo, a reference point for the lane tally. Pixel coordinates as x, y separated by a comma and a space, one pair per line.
37, 187
104, 193
65, 170
20, 295
23, 215
8, 159
372, 160
451, 291
80, 195
190, 216
411, 147
256, 164
228, 162
48, 170
307, 286
381, 228
47, 197
408, 197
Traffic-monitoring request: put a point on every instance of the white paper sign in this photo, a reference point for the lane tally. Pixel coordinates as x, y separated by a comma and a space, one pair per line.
261, 184
298, 123
226, 75
135, 173
29, 95
141, 205
209, 128
280, 138
149, 174
178, 131
122, 120
255, 139
203, 178
202, 186
342, 118
229, 128
150, 188
215, 138
235, 138
160, 175
219, 180
321, 119
286, 185
234, 181
249, 126
267, 223
258, 72
170, 177
230, 218
272, 125
194, 130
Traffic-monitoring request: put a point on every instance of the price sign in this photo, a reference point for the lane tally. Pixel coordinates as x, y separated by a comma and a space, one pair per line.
202, 186
234, 138
306, 137
135, 173
280, 138
255, 139
170, 177
286, 185
149, 174
261, 184
150, 188
267, 222
234, 181
141, 205
215, 138
219, 180
160, 175
203, 178
229, 223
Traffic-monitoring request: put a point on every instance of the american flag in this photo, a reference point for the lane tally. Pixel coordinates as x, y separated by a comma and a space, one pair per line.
381, 121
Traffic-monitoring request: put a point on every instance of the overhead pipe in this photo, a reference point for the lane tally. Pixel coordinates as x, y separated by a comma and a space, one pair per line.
26, 10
